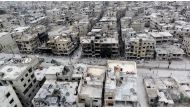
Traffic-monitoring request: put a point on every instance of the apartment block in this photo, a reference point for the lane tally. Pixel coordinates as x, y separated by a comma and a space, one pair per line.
140, 47
167, 52
161, 37
19, 73
27, 43
104, 47
186, 45
9, 97
7, 44
61, 45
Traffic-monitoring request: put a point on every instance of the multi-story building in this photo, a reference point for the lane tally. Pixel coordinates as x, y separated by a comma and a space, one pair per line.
127, 33
90, 90
19, 73
104, 47
162, 37
126, 22
140, 47
56, 94
27, 43
7, 44
167, 52
121, 84
138, 26
61, 45
9, 97
186, 45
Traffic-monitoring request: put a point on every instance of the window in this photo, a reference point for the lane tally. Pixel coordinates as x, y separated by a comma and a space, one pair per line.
109, 97
34, 80
15, 105
30, 70
14, 88
28, 80
32, 76
25, 85
95, 100
22, 79
110, 104
82, 100
26, 75
29, 95
8, 94
11, 101
11, 82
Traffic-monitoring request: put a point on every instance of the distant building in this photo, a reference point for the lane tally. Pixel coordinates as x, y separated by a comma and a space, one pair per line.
167, 52
186, 45
27, 43
140, 47
61, 45
104, 47
138, 26
162, 37
7, 44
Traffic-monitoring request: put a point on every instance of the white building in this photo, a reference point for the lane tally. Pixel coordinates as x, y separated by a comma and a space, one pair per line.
56, 94
9, 97
121, 84
91, 87
162, 37
19, 72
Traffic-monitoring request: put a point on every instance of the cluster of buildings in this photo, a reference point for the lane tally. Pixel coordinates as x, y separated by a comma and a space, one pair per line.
166, 91
27, 81
134, 30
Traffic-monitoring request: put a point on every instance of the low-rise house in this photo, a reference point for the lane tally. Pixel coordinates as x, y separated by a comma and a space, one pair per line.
56, 94
121, 84
90, 89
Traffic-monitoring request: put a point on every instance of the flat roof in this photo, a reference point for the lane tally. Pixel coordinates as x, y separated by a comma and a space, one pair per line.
47, 93
54, 69
169, 49
21, 29
3, 33
128, 66
93, 92
96, 70
11, 72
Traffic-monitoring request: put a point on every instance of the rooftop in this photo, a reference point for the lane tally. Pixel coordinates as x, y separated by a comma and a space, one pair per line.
3, 33
56, 93
54, 69
169, 49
